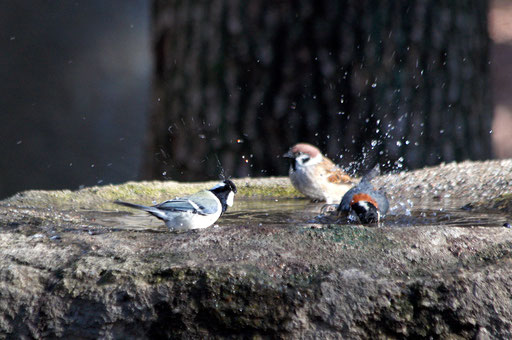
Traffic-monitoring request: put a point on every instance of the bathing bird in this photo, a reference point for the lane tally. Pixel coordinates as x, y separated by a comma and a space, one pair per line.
196, 211
367, 203
315, 175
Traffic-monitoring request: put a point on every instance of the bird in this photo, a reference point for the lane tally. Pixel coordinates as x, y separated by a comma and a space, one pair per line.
315, 175
196, 211
367, 203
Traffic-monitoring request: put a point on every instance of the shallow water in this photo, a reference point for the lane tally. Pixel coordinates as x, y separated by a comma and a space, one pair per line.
304, 212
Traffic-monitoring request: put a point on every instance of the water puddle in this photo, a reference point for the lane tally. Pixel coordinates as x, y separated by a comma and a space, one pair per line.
303, 212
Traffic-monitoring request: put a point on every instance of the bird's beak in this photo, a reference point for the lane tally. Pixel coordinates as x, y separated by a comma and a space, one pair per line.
289, 154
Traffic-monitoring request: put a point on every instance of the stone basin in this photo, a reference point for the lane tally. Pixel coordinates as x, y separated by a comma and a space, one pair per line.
73, 265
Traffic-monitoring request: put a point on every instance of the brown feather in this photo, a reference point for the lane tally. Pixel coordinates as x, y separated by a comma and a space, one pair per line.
339, 177
334, 174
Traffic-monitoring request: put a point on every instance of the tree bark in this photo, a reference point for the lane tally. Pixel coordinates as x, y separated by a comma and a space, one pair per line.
238, 82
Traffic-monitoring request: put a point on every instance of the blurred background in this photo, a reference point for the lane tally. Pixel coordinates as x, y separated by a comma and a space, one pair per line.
76, 82
97, 92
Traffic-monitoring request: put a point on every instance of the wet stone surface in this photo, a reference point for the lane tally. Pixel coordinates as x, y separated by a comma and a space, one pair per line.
75, 265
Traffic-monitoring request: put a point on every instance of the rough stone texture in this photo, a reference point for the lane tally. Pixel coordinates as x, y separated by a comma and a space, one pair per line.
64, 274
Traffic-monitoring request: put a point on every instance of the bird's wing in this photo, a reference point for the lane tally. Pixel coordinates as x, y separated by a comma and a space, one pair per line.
179, 204
384, 203
207, 201
347, 198
338, 176
202, 203
334, 174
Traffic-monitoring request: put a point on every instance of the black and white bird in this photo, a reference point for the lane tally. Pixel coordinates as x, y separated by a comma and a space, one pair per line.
365, 201
197, 211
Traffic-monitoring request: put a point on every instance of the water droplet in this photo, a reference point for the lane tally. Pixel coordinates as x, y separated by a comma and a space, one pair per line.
293, 106
374, 85
399, 162
398, 143
239, 141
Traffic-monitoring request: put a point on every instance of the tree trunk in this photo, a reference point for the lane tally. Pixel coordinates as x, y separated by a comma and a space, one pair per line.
238, 82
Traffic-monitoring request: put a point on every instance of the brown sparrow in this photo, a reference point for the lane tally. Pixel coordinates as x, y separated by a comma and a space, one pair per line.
317, 176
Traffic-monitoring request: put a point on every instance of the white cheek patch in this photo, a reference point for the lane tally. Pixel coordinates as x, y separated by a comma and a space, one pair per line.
364, 204
315, 160
306, 160
231, 197
302, 159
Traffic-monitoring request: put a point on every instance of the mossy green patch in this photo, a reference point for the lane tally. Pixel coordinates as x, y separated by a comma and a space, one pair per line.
102, 197
267, 188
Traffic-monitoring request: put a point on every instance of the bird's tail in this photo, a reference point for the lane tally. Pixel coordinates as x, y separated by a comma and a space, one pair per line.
371, 174
152, 210
135, 206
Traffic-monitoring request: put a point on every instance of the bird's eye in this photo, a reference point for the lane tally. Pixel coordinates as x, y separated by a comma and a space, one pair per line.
305, 159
